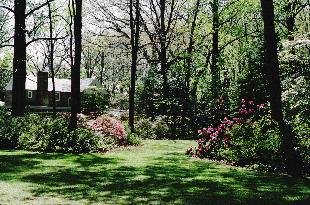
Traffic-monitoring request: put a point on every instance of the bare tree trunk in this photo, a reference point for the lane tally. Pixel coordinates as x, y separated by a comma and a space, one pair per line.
163, 55
101, 67
134, 40
52, 58
75, 72
188, 67
215, 50
290, 21
292, 160
19, 61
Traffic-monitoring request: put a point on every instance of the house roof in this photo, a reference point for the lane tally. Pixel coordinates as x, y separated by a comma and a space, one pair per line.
61, 85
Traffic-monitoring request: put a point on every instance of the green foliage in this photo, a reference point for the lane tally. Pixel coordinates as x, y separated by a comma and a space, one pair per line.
296, 97
52, 135
149, 94
255, 142
12, 128
84, 141
133, 139
144, 128
94, 99
159, 128
301, 127
5, 73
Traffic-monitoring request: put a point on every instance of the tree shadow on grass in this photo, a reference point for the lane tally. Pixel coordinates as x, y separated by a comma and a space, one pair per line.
166, 180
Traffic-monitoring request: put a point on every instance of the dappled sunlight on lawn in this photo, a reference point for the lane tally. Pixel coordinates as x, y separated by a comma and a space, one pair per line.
157, 173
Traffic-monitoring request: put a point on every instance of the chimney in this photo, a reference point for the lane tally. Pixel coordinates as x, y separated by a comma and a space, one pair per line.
42, 81
42, 88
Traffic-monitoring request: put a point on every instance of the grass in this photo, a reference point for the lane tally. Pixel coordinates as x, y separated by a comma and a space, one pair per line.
156, 173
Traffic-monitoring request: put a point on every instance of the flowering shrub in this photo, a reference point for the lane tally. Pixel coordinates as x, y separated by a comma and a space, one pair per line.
81, 118
212, 140
109, 127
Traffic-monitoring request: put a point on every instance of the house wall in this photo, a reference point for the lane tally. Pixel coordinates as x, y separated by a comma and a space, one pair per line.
8, 98
64, 96
29, 101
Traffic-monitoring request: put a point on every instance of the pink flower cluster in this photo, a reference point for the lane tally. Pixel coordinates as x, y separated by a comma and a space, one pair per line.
110, 127
248, 108
213, 137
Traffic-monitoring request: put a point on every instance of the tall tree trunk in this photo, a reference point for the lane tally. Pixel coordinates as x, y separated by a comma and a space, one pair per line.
290, 20
19, 60
101, 67
75, 72
134, 40
292, 160
215, 83
188, 67
52, 58
163, 55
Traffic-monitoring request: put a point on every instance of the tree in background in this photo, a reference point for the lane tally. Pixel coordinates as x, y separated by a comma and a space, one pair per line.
273, 76
134, 42
19, 61
76, 69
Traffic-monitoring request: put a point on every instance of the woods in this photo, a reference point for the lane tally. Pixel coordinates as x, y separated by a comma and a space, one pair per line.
176, 66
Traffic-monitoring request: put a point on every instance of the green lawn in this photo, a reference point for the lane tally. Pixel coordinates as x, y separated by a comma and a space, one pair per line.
156, 173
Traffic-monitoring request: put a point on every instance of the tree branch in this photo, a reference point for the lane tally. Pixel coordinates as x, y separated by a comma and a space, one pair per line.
39, 7
7, 8
40, 39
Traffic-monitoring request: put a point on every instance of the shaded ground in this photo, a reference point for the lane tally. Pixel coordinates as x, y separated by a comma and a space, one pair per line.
157, 173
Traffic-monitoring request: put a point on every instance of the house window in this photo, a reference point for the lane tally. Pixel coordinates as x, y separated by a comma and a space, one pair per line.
57, 96
69, 102
29, 94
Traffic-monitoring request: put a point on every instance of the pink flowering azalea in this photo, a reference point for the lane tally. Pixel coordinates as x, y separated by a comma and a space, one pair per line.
217, 136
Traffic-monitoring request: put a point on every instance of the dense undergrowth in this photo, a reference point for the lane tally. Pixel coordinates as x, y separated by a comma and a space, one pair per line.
36, 132
252, 139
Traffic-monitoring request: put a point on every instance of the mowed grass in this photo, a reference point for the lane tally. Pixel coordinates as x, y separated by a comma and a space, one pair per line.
156, 173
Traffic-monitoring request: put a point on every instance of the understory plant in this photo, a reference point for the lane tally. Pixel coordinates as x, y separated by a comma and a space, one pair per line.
36, 132
251, 137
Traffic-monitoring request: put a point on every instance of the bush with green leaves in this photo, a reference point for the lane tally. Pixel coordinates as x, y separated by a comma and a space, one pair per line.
52, 135
133, 139
11, 128
251, 138
94, 99
159, 128
255, 142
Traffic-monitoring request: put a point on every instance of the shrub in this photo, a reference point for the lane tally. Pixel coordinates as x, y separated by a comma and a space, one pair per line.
94, 99
120, 101
302, 129
144, 128
158, 128
133, 139
37, 133
255, 142
84, 141
109, 127
50, 135
11, 128
161, 127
